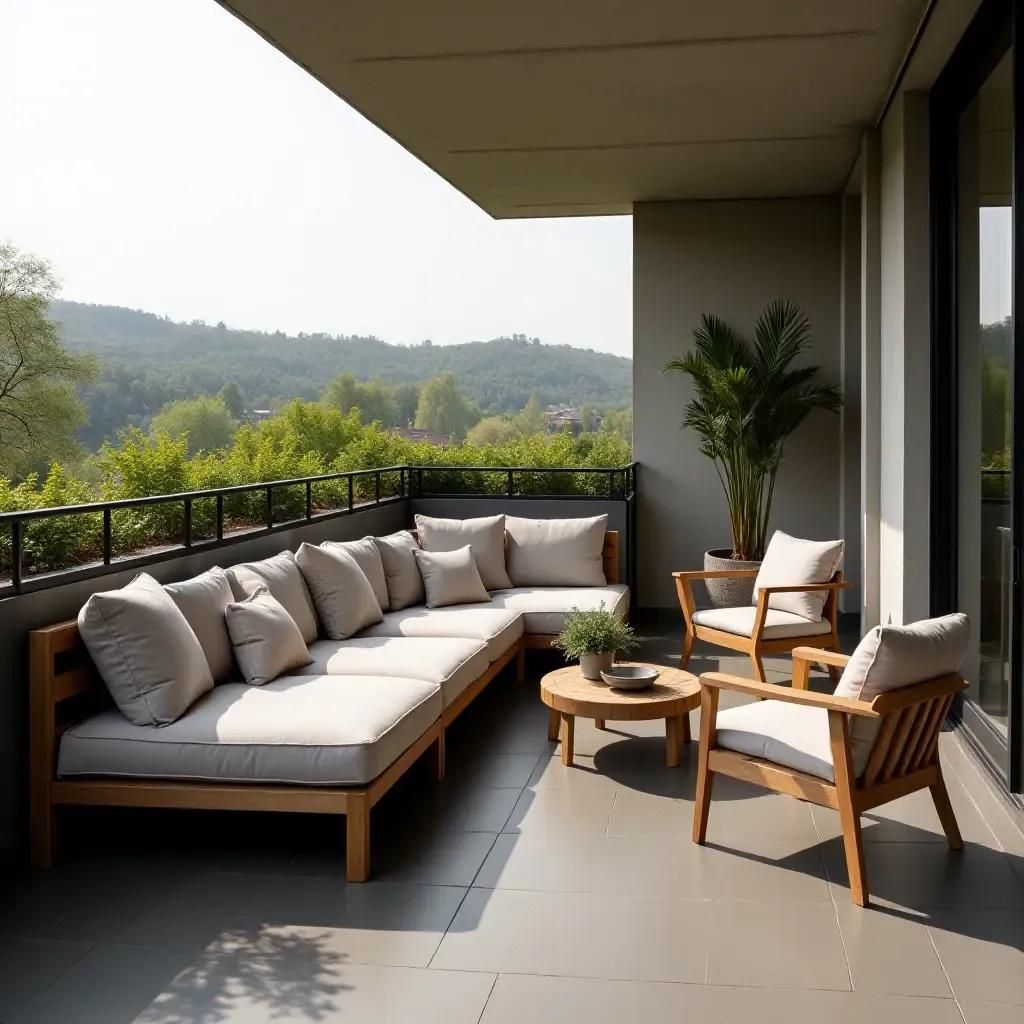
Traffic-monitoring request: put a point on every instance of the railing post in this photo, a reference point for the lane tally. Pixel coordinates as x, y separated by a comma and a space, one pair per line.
188, 522
419, 483
611, 485
377, 486
107, 545
270, 508
16, 555
401, 482
350, 502
511, 486
309, 499
220, 517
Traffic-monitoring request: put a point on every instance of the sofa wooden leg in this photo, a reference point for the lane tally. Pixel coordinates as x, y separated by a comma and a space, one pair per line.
357, 837
521, 665
944, 809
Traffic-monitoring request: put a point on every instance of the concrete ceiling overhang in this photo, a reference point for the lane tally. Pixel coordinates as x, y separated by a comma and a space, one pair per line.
554, 107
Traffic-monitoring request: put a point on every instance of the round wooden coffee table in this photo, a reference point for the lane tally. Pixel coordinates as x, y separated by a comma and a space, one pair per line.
569, 695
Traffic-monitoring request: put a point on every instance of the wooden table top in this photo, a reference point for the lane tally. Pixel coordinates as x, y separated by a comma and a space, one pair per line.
673, 693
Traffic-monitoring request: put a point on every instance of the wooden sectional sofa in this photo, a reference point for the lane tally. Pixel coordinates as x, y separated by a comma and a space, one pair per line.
75, 732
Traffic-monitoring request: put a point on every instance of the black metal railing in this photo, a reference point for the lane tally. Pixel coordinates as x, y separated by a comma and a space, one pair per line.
388, 485
995, 486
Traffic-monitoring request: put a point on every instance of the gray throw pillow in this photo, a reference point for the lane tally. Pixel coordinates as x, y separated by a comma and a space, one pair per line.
145, 651
266, 640
556, 552
283, 579
451, 577
485, 535
367, 557
344, 599
202, 601
405, 585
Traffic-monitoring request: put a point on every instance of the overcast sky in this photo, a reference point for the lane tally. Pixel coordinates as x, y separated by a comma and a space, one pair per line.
165, 157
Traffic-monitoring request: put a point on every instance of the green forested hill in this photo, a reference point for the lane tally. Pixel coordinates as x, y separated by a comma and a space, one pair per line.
149, 360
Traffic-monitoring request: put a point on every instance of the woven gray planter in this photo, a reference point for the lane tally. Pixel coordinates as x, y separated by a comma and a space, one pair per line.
728, 593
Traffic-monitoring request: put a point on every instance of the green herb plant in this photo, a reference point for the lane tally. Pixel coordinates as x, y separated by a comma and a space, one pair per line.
595, 632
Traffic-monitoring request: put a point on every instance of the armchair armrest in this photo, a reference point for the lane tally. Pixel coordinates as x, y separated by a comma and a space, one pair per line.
713, 574
791, 695
818, 654
800, 588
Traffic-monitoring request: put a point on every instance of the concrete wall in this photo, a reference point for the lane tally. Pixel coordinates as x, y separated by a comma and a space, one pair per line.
729, 258
905, 359
20, 614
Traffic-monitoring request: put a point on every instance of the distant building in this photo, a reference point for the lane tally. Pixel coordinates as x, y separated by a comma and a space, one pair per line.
255, 416
430, 436
565, 421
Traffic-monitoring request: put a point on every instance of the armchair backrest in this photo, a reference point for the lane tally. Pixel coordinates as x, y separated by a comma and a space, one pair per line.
893, 657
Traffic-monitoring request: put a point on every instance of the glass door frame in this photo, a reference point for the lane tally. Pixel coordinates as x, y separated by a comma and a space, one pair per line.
998, 25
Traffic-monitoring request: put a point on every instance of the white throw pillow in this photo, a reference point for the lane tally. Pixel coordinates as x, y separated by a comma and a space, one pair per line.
283, 579
891, 657
405, 585
451, 577
790, 561
202, 601
344, 599
266, 640
367, 557
145, 651
485, 535
556, 552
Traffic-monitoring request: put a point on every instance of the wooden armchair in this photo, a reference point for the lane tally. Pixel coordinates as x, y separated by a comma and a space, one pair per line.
761, 630
904, 757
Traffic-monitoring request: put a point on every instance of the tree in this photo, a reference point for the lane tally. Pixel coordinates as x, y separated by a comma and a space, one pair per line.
492, 430
618, 421
407, 399
443, 409
39, 405
342, 393
232, 399
532, 419
205, 421
373, 400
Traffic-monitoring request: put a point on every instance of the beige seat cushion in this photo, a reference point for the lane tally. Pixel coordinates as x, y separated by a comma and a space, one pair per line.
555, 552
544, 608
788, 734
310, 730
891, 657
145, 651
777, 624
266, 641
367, 556
451, 663
202, 601
497, 628
450, 577
343, 596
789, 561
405, 585
283, 579
485, 535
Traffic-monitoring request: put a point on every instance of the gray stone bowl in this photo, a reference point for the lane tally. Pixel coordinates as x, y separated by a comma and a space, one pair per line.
728, 593
630, 677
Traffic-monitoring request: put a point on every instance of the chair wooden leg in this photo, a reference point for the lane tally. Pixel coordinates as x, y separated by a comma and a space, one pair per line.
849, 817
684, 658
357, 837
521, 665
940, 796
705, 777
758, 667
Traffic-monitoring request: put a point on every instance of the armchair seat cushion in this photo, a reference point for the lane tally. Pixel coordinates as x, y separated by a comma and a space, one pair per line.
789, 734
778, 624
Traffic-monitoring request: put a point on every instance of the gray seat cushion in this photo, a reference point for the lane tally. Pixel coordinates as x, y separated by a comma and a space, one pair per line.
778, 625
544, 608
310, 730
451, 663
497, 628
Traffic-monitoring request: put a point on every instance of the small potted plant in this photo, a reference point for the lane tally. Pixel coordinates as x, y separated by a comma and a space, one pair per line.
595, 637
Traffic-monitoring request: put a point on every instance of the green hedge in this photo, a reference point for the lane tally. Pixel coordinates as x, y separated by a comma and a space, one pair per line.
303, 439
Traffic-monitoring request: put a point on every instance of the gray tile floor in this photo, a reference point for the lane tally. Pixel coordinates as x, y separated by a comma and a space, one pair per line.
520, 890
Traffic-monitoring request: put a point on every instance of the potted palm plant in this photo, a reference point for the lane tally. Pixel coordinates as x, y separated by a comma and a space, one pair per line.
595, 637
748, 400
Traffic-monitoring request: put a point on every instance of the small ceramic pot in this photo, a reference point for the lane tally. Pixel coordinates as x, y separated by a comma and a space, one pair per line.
725, 592
592, 665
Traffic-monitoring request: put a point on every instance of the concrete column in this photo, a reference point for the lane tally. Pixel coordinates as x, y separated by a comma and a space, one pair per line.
870, 377
850, 419
905, 350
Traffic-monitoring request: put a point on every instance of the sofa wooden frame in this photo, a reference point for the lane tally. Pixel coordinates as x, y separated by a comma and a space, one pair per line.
755, 645
904, 759
65, 688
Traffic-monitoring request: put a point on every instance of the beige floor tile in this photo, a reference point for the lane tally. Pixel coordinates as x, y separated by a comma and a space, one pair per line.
330, 920
644, 815
890, 953
27, 966
990, 1013
440, 858
751, 867
508, 770
627, 937
587, 773
562, 812
270, 992
768, 945
982, 953
483, 930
